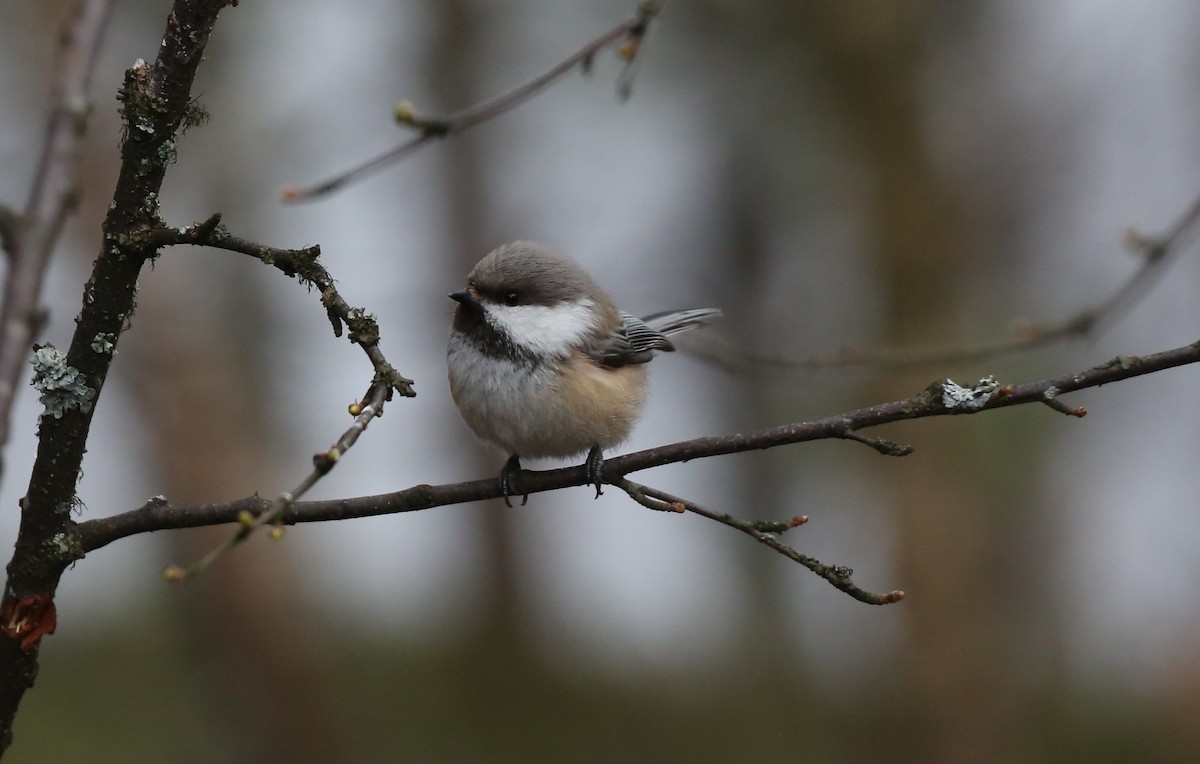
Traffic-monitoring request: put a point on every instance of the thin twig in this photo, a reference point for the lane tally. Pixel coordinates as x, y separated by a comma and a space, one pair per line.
885, 447
1050, 398
838, 575
304, 265
29, 239
630, 32
1155, 251
323, 463
10, 232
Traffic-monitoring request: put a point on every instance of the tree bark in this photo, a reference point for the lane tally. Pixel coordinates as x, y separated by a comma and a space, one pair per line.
155, 101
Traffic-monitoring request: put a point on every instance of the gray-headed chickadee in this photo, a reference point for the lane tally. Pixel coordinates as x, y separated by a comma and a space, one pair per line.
543, 364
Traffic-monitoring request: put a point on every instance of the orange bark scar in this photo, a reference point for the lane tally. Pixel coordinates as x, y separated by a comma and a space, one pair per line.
28, 619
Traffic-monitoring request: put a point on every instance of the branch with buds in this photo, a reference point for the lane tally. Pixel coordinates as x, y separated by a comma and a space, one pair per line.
305, 266
943, 398
627, 36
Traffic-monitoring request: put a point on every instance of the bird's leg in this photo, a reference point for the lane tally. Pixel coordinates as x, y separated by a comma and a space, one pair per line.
595, 468
512, 468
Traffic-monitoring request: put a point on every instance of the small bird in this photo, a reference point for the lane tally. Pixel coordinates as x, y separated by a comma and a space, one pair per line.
542, 363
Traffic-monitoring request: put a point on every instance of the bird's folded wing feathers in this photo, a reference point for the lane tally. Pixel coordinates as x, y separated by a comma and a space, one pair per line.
637, 338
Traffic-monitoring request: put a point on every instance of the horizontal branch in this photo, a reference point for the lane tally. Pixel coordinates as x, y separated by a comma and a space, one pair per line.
939, 399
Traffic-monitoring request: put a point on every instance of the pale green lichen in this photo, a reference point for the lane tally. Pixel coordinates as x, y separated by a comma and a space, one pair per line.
62, 386
103, 342
957, 397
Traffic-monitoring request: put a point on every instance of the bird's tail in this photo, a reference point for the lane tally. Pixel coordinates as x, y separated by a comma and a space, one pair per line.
676, 321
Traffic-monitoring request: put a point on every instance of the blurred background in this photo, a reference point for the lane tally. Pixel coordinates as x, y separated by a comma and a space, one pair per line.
830, 173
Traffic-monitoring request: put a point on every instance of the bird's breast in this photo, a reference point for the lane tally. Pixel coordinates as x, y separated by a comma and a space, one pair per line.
556, 408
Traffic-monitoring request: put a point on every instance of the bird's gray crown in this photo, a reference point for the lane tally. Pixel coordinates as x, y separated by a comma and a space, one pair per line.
537, 273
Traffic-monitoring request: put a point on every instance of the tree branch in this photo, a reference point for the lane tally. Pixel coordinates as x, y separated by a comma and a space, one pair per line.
629, 33
323, 463
1155, 252
838, 575
29, 239
938, 399
305, 266
156, 100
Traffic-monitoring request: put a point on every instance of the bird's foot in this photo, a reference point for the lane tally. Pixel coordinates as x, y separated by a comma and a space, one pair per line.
595, 468
508, 476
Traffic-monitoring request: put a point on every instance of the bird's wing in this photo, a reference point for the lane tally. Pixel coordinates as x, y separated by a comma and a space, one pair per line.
636, 339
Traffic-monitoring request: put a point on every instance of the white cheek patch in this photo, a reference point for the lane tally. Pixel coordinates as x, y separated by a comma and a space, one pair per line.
544, 330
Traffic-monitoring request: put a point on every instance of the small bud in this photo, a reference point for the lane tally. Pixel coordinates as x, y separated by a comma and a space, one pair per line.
1024, 330
797, 521
628, 49
404, 113
173, 573
245, 519
355, 409
1135, 240
276, 532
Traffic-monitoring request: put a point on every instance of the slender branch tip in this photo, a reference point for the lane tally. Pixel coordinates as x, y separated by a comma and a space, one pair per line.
1050, 398
885, 447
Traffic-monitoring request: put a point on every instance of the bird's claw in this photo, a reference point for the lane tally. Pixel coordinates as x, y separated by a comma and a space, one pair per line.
595, 468
508, 476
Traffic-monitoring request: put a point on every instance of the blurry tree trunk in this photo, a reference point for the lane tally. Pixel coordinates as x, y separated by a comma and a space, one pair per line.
765, 480
963, 670
459, 29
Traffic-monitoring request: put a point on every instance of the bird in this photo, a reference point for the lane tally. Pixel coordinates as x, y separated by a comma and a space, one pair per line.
542, 364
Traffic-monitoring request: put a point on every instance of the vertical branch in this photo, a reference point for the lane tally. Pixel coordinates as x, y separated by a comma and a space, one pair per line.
52, 196
156, 100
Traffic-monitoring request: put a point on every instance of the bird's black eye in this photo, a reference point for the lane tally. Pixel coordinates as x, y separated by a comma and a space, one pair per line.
511, 298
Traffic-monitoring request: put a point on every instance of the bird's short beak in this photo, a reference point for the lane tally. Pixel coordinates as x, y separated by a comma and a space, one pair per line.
464, 298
